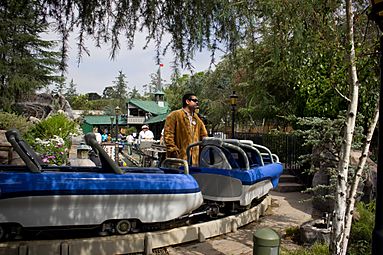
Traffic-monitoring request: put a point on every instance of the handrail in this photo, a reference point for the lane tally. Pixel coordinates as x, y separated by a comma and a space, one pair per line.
253, 149
245, 144
268, 152
25, 152
189, 158
242, 152
218, 143
275, 157
177, 160
106, 161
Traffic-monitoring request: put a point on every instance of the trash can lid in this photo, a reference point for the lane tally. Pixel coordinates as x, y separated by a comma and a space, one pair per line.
266, 237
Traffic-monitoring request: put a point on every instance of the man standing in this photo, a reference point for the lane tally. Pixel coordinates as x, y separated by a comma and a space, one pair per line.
184, 127
145, 134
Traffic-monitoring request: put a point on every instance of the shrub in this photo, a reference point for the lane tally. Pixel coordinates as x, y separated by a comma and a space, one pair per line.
10, 120
55, 125
362, 227
316, 249
52, 138
293, 234
52, 150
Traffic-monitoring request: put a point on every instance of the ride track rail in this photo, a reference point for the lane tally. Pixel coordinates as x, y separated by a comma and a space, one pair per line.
138, 242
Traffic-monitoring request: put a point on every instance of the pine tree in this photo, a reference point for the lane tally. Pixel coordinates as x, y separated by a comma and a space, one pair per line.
27, 62
60, 86
71, 90
120, 87
134, 93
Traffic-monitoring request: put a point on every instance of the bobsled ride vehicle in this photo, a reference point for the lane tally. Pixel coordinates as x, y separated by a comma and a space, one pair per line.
109, 198
233, 173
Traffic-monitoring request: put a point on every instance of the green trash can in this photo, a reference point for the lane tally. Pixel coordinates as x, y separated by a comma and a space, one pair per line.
266, 242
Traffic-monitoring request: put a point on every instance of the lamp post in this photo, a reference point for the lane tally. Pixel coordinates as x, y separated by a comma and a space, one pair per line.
233, 103
111, 125
117, 111
377, 235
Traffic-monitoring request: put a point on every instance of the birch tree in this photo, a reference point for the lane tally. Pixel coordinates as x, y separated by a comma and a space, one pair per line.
357, 177
338, 224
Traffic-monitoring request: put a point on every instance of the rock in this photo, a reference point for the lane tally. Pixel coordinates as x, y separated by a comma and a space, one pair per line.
43, 105
368, 188
7, 154
315, 231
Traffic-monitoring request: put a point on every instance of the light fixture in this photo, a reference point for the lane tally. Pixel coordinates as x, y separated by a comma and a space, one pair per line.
233, 103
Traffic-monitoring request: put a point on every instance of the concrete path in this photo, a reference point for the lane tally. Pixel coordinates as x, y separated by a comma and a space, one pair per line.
287, 210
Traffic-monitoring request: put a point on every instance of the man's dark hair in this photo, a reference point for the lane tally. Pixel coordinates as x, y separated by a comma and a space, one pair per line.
186, 97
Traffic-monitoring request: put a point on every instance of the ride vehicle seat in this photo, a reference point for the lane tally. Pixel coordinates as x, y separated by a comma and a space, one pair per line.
215, 153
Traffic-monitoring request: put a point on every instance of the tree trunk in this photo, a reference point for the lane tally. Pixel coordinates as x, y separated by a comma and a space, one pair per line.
338, 223
357, 177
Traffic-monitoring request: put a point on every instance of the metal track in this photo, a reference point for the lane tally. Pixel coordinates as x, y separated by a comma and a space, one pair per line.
134, 243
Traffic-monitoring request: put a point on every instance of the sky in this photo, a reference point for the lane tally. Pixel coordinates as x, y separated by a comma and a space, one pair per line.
97, 71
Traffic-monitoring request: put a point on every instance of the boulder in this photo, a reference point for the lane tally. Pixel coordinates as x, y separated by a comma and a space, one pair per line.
7, 154
315, 231
368, 187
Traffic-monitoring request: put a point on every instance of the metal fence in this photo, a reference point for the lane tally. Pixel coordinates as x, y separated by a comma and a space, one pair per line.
288, 147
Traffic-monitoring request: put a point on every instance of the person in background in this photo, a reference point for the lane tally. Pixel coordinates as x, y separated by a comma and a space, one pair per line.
109, 139
145, 134
98, 135
162, 141
130, 141
184, 127
104, 136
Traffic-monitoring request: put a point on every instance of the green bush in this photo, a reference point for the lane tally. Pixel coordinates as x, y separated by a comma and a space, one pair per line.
10, 120
293, 234
52, 138
361, 230
55, 125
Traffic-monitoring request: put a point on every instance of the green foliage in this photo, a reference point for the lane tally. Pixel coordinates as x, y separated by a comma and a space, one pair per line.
10, 120
27, 62
55, 125
120, 86
291, 60
51, 138
131, 130
108, 92
316, 249
191, 25
362, 227
134, 93
80, 102
52, 151
212, 89
324, 136
293, 233
71, 92
60, 86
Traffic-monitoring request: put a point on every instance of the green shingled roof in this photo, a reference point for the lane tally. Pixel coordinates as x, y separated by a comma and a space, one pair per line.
149, 106
156, 119
103, 120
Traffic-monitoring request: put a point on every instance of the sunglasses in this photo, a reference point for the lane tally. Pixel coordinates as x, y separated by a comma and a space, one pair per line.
195, 100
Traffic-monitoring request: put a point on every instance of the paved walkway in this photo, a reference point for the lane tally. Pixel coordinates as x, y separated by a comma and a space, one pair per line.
287, 210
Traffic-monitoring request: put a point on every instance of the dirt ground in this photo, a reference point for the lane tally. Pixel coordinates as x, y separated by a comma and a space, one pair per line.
287, 210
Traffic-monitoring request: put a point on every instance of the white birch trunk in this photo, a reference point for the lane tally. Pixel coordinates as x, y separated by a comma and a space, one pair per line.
338, 223
358, 176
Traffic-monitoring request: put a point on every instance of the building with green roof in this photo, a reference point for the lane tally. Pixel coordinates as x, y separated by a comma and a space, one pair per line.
140, 112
